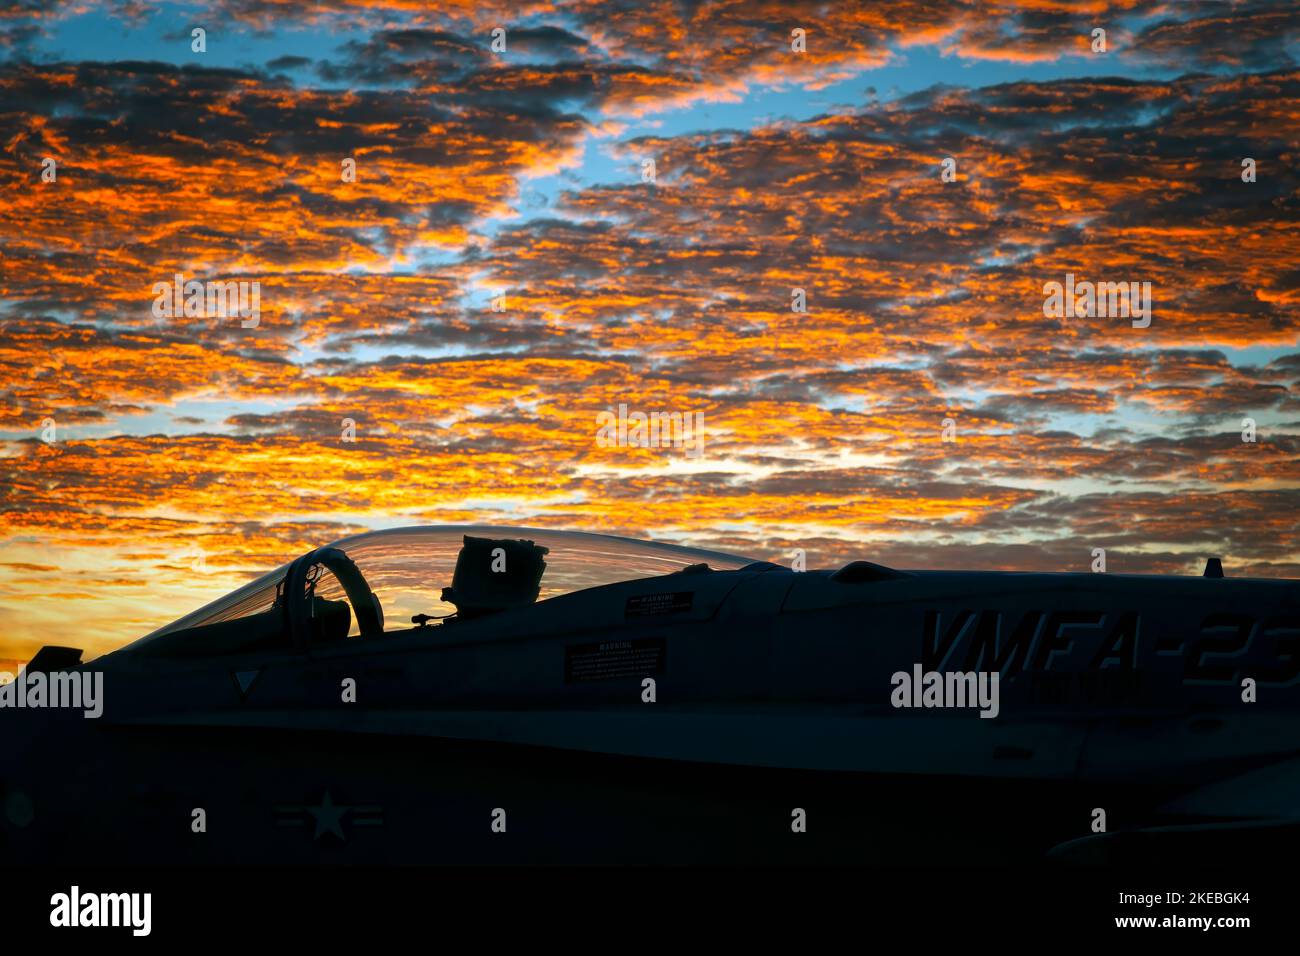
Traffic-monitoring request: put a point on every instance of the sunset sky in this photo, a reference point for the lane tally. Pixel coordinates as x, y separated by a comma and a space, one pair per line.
522, 173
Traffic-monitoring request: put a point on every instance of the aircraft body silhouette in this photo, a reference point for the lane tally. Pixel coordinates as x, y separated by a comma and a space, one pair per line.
587, 698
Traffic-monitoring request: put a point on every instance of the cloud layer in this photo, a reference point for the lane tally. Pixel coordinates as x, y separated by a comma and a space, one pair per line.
921, 410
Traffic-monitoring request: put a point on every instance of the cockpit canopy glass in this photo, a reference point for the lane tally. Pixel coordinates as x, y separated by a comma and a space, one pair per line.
407, 568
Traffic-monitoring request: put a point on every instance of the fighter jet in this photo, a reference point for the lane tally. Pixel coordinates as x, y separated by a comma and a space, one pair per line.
477, 695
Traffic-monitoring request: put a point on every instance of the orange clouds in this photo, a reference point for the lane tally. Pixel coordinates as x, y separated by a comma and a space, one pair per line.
921, 409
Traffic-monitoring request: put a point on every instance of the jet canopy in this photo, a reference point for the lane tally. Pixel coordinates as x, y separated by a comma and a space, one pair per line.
369, 584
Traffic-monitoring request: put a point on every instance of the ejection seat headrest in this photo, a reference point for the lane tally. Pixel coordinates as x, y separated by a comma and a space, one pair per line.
495, 574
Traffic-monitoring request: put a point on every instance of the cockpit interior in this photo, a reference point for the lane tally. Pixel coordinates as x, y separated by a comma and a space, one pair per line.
432, 577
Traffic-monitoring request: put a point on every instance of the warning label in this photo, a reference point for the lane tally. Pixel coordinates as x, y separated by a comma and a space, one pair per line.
652, 605
612, 659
